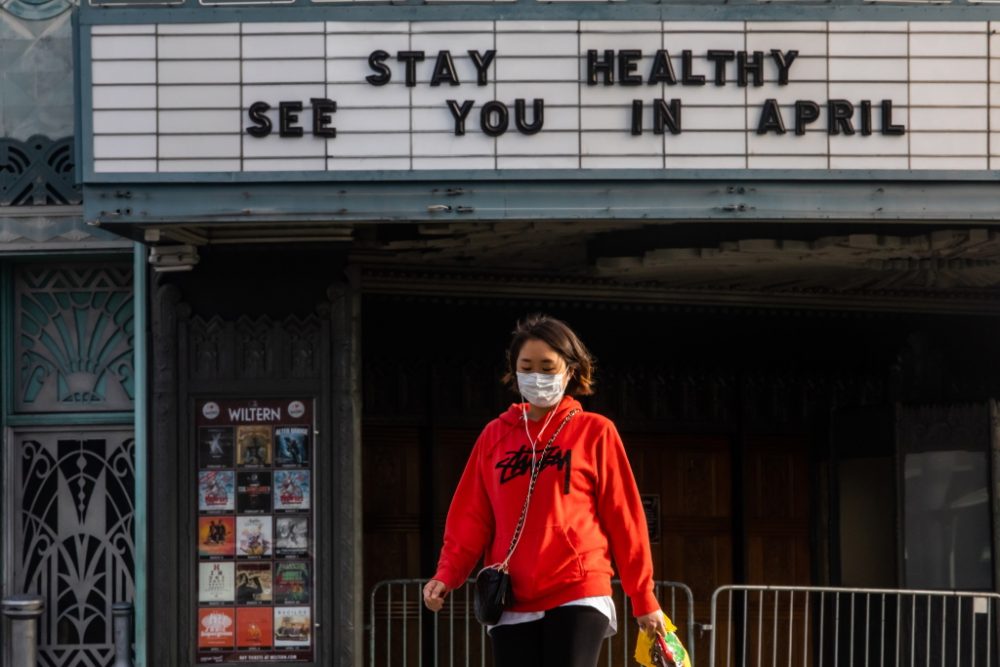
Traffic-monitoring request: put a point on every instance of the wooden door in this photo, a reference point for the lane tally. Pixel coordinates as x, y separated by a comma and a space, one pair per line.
692, 476
700, 526
410, 475
776, 510
392, 488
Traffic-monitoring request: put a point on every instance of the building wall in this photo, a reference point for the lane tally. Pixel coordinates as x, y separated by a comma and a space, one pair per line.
68, 458
67, 373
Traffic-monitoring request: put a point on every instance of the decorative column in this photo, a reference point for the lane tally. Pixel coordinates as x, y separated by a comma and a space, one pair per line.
348, 622
122, 613
23, 612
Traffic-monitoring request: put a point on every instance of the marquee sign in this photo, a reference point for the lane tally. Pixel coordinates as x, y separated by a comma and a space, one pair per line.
530, 95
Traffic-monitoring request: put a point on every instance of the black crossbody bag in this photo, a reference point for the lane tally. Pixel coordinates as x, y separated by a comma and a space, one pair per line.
494, 591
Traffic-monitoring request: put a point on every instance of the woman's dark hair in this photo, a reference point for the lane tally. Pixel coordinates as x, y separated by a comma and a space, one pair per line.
560, 338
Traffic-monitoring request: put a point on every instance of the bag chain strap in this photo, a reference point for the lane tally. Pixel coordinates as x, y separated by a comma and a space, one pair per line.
535, 471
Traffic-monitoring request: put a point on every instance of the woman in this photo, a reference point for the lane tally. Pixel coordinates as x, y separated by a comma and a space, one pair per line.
585, 509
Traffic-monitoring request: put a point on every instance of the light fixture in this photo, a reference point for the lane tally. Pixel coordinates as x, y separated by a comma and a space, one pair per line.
173, 258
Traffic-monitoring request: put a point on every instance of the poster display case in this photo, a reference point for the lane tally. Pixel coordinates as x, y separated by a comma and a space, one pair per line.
255, 530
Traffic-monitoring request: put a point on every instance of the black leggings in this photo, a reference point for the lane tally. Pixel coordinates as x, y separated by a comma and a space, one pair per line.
565, 637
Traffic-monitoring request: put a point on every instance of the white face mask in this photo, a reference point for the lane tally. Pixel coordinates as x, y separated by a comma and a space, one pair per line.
541, 389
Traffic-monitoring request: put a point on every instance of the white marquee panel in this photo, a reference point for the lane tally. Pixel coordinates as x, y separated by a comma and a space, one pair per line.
176, 97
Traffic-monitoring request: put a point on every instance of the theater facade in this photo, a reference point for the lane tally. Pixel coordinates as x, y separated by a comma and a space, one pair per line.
310, 225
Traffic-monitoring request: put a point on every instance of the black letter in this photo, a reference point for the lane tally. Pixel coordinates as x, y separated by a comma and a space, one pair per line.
503, 118
784, 62
482, 63
671, 116
262, 126
287, 119
662, 70
538, 107
806, 111
636, 117
460, 113
687, 78
627, 65
840, 112
720, 58
606, 66
887, 126
444, 70
756, 67
411, 58
866, 118
770, 118
384, 73
322, 108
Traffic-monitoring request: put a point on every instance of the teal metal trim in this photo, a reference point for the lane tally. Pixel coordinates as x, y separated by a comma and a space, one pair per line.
468, 201
71, 419
6, 375
83, 101
57, 256
78, 114
7, 326
64, 254
304, 10
446, 176
139, 306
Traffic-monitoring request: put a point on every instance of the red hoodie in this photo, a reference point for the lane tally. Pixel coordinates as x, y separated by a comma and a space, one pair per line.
585, 508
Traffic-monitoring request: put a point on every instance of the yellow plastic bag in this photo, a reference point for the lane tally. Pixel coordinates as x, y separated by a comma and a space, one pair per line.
668, 648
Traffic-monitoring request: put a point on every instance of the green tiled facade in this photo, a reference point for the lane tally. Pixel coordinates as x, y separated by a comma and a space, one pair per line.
36, 72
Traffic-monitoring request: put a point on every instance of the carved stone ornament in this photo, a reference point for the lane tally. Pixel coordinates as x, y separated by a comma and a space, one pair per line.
253, 348
39, 171
74, 339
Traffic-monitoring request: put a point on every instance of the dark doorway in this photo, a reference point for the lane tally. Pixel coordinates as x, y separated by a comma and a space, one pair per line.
742, 422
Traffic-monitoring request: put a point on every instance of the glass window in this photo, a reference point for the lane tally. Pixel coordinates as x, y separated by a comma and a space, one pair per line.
947, 532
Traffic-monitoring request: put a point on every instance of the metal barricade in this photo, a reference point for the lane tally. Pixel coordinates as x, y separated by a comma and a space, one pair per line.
401, 633
788, 626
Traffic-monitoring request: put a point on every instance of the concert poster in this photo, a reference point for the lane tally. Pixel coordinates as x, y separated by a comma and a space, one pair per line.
292, 626
253, 536
291, 536
291, 446
292, 583
216, 491
253, 492
291, 490
253, 446
216, 628
254, 627
253, 583
216, 581
255, 531
215, 447
216, 536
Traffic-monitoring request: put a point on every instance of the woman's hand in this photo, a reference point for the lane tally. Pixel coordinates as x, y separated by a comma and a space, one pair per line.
652, 623
434, 594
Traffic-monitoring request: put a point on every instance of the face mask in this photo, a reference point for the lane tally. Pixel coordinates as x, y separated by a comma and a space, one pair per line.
541, 389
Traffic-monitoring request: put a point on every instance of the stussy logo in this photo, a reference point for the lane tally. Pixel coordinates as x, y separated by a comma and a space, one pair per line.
518, 463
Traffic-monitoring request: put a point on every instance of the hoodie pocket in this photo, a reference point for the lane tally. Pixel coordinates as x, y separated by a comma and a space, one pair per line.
545, 562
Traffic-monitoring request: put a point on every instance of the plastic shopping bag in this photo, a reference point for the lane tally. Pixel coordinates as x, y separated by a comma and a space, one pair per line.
660, 651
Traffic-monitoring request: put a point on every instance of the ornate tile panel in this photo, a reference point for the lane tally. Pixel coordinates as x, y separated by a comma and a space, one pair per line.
74, 339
